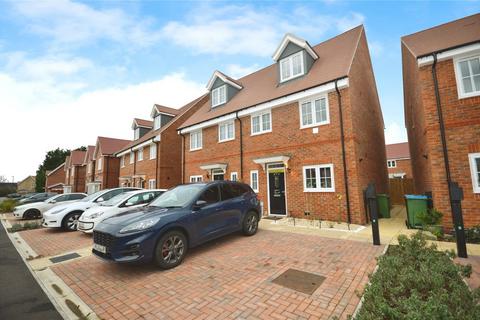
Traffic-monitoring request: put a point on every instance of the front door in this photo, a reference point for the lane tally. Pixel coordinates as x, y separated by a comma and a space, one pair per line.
276, 188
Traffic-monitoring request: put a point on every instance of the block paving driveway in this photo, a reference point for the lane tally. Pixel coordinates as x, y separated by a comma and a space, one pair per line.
229, 278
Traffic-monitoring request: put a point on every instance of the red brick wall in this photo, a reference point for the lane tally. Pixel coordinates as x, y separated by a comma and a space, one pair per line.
462, 123
126, 171
109, 173
145, 167
403, 166
78, 182
56, 177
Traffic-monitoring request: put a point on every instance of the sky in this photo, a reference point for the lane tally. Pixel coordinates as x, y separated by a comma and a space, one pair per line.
74, 70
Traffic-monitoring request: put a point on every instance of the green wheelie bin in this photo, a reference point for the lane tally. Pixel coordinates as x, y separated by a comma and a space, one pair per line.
383, 203
415, 204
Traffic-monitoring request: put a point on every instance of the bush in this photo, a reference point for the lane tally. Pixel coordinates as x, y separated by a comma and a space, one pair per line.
473, 234
430, 218
415, 281
7, 205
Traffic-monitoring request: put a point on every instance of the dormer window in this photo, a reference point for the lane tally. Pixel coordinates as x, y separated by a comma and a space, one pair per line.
157, 122
219, 95
291, 67
136, 134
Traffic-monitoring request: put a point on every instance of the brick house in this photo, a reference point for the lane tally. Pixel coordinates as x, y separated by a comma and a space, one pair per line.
153, 159
444, 128
89, 163
55, 179
74, 172
26, 185
105, 166
306, 132
398, 160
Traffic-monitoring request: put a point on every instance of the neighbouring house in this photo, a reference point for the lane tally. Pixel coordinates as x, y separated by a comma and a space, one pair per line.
441, 84
306, 132
74, 172
104, 164
90, 185
153, 159
27, 185
55, 179
398, 160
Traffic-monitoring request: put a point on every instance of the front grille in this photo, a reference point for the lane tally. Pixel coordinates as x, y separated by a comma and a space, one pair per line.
103, 239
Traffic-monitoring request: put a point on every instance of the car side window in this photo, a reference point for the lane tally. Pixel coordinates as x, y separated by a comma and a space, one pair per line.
63, 198
111, 194
228, 192
134, 200
76, 196
148, 197
210, 195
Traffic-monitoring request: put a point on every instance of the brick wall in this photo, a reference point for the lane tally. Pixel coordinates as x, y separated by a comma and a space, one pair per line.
109, 173
55, 178
403, 166
78, 182
127, 171
145, 168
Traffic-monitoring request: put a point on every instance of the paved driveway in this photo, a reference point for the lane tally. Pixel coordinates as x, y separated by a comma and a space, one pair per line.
229, 279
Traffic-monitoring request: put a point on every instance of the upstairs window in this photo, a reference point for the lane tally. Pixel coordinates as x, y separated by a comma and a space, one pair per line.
391, 163
153, 151
474, 159
196, 140
261, 123
314, 112
99, 164
468, 77
136, 134
122, 161
140, 154
89, 168
132, 157
226, 131
157, 122
219, 95
291, 67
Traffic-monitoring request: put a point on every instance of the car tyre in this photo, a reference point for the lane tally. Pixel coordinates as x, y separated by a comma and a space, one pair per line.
250, 224
32, 214
171, 250
70, 222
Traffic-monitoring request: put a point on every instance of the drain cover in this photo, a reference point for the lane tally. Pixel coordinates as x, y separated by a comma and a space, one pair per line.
65, 257
301, 281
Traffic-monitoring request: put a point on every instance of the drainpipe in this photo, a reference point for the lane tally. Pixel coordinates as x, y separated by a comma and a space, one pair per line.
342, 138
241, 147
134, 166
105, 171
156, 162
183, 155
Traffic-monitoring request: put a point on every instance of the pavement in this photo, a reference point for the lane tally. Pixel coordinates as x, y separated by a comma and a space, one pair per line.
21, 297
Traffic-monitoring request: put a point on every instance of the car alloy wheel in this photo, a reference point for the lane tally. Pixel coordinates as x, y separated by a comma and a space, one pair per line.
72, 221
250, 224
173, 249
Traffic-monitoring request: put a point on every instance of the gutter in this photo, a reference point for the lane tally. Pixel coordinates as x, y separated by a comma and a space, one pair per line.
241, 146
344, 160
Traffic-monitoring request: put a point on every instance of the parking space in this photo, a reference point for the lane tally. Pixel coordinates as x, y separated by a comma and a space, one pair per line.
228, 279
49, 242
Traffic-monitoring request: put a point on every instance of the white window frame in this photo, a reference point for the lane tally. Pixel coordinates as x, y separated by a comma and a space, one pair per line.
252, 172
197, 147
216, 94
233, 174
99, 164
317, 177
136, 134
153, 151
197, 178
458, 76
157, 122
72, 173
151, 184
140, 154
89, 167
391, 164
260, 115
475, 179
122, 161
289, 59
226, 124
132, 157
312, 100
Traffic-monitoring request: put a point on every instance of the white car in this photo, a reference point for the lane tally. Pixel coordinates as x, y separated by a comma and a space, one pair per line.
118, 204
36, 209
66, 216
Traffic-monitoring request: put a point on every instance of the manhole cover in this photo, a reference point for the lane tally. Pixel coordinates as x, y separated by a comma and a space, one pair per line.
64, 257
301, 281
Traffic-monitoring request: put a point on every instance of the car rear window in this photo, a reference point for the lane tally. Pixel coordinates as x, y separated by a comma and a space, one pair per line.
233, 190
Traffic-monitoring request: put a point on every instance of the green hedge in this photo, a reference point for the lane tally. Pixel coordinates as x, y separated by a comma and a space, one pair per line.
7, 205
415, 281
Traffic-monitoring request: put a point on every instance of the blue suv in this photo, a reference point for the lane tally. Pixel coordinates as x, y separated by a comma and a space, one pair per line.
181, 218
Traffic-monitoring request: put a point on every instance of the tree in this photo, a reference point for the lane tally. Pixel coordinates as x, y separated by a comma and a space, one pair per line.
53, 159
82, 148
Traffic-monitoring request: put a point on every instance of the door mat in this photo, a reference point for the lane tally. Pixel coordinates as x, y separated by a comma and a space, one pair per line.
301, 281
65, 257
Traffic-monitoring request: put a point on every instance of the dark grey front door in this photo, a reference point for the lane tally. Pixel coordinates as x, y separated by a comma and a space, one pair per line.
276, 181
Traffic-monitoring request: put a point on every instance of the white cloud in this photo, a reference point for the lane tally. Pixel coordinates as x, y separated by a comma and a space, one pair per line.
67, 121
244, 30
68, 22
237, 71
394, 133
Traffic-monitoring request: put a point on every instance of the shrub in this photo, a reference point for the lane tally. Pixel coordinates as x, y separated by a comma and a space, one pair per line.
7, 205
415, 281
430, 217
473, 234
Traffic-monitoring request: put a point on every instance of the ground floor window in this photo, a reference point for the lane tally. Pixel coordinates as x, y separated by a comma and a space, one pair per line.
474, 159
254, 180
196, 178
233, 176
218, 174
391, 163
151, 184
318, 178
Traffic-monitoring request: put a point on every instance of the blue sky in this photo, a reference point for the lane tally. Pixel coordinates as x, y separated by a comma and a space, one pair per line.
73, 70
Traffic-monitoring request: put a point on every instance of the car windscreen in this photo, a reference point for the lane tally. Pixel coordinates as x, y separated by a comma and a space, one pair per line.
117, 199
92, 196
178, 197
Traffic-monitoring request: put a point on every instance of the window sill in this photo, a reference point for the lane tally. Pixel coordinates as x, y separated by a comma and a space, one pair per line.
468, 95
315, 125
260, 133
227, 140
195, 149
319, 190
291, 78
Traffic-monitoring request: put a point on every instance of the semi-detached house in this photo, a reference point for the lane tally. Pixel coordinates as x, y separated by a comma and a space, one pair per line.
89, 163
441, 84
306, 132
55, 179
153, 158
74, 172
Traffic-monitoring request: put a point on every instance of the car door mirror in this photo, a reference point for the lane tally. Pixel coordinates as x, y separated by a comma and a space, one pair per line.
53, 201
199, 204
128, 204
100, 199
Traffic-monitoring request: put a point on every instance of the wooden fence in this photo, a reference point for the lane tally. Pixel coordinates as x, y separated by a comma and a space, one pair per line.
399, 188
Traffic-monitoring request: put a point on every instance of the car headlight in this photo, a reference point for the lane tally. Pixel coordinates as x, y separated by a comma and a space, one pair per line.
95, 215
57, 211
140, 225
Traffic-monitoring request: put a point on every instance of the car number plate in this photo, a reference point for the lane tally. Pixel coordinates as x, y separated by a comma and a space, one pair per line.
99, 248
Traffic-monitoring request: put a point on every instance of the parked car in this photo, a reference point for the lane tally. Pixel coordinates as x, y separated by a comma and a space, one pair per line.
181, 218
66, 215
38, 197
35, 210
118, 204
14, 195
